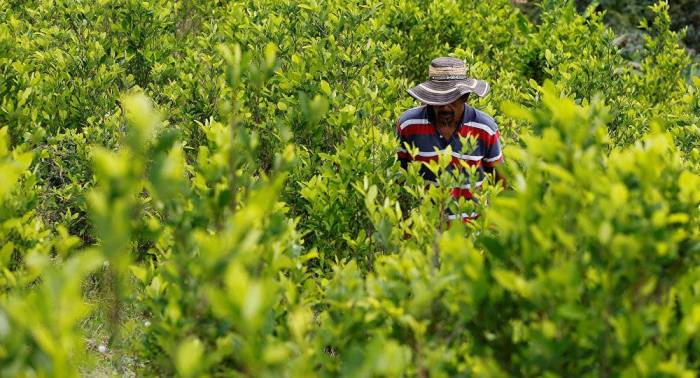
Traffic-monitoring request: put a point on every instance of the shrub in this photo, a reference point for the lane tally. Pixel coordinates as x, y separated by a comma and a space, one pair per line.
209, 188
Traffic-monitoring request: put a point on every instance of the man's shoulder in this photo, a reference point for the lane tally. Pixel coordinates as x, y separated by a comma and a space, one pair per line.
481, 118
419, 112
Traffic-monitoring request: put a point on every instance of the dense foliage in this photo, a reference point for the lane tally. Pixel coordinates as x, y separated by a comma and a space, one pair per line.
624, 15
210, 188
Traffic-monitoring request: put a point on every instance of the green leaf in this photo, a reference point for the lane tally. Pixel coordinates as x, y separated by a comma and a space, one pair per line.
188, 360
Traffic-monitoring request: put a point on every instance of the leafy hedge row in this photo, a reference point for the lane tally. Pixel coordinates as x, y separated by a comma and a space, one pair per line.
210, 189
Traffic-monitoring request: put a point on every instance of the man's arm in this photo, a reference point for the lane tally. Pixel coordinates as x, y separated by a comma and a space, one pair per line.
401, 153
493, 158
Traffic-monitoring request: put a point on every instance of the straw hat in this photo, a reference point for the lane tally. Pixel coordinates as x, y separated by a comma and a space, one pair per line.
448, 82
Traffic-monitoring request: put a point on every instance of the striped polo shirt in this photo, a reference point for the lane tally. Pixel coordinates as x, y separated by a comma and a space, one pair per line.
415, 128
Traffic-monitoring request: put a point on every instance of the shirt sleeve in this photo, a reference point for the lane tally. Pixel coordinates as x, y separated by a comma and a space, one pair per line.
494, 153
401, 153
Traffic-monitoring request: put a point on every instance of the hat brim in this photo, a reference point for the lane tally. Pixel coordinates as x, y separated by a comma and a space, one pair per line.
436, 92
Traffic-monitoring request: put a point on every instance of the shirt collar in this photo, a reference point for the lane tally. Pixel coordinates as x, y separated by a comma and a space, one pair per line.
468, 115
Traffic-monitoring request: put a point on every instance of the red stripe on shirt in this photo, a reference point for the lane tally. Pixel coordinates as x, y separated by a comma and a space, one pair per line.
426, 158
461, 193
417, 129
467, 131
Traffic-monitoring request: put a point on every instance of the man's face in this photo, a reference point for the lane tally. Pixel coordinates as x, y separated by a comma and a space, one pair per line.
450, 114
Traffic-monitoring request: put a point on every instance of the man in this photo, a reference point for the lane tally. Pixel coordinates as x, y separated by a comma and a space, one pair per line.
445, 120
